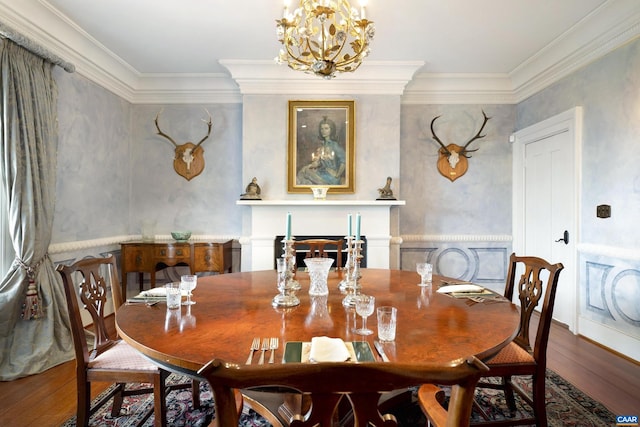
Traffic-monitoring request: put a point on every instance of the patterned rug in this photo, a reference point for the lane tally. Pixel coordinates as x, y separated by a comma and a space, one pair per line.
566, 406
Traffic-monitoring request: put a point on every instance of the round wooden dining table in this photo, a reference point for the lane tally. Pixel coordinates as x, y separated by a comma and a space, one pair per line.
232, 309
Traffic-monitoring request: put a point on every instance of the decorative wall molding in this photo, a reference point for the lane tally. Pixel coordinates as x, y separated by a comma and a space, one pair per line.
609, 251
485, 262
456, 238
609, 303
59, 248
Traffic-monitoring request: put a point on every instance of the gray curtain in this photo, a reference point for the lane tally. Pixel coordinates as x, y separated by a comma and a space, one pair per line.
34, 326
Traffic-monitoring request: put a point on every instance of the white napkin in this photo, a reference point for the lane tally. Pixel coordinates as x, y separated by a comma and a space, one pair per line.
460, 288
325, 349
158, 292
154, 292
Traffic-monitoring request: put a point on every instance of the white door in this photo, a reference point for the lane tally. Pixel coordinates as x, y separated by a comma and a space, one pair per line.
545, 159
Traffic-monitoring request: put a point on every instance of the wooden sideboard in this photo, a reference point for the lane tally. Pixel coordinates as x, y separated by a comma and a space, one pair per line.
145, 257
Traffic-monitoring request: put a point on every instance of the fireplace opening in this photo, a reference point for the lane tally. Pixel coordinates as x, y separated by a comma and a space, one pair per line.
332, 253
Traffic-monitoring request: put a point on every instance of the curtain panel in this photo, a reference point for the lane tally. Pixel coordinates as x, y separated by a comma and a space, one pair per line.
33, 338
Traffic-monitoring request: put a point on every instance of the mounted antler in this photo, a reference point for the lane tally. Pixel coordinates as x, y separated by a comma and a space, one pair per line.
435, 137
162, 133
452, 161
477, 136
209, 125
187, 154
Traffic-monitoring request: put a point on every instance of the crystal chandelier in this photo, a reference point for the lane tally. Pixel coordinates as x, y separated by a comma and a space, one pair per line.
324, 37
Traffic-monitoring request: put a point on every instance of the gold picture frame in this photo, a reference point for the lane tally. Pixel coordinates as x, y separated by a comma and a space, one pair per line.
321, 149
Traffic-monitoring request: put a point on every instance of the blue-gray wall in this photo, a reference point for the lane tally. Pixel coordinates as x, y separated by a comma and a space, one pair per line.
462, 227
93, 182
206, 205
115, 171
609, 249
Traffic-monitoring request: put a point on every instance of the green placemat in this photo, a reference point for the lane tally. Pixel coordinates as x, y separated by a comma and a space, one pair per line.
298, 351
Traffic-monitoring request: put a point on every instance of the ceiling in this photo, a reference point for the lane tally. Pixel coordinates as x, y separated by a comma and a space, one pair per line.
134, 40
450, 36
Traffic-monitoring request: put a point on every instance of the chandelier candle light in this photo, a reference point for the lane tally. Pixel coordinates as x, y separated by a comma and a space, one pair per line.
324, 37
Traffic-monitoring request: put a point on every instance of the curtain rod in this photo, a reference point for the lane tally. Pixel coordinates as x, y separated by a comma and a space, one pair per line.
36, 48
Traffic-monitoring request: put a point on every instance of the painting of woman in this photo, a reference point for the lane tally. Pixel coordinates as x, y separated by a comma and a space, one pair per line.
328, 160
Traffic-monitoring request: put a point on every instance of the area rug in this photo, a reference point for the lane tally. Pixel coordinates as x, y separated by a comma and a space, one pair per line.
566, 406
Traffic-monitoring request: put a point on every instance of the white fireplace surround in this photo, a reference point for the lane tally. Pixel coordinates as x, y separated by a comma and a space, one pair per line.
266, 219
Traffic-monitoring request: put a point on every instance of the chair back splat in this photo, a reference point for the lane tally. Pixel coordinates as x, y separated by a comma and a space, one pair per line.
537, 283
314, 248
111, 359
359, 384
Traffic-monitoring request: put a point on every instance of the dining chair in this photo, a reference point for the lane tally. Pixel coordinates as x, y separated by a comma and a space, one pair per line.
110, 359
538, 281
361, 384
314, 248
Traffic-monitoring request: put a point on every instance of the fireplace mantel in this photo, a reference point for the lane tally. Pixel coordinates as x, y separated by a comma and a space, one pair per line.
265, 219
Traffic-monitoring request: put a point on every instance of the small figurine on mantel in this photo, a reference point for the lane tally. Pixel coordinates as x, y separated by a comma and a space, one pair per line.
385, 192
252, 192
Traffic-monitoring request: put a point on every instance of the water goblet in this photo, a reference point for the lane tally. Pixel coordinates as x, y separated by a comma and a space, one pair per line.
188, 283
424, 269
364, 308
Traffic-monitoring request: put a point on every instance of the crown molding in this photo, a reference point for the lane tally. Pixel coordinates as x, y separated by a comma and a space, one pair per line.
45, 25
616, 22
610, 26
185, 88
372, 77
440, 88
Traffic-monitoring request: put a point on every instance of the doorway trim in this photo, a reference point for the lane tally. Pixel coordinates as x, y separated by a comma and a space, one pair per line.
569, 121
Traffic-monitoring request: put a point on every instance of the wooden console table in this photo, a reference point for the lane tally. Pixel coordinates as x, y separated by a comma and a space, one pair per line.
144, 257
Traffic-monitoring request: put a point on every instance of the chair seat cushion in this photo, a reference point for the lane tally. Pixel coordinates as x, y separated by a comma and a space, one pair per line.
512, 354
122, 356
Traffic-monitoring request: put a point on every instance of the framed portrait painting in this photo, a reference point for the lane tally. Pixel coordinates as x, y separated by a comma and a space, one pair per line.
321, 146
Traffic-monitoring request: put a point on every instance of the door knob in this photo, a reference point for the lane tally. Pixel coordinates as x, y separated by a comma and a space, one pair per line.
564, 238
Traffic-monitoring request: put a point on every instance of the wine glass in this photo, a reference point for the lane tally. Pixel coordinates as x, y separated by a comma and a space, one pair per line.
188, 283
424, 270
364, 307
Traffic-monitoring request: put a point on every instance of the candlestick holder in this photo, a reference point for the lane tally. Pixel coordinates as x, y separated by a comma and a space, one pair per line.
287, 285
348, 266
290, 259
353, 287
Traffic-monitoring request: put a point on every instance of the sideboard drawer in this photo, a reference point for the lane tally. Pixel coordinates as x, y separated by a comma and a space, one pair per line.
170, 252
136, 258
208, 258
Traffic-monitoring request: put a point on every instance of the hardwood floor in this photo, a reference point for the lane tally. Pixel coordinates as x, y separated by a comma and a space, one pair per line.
48, 399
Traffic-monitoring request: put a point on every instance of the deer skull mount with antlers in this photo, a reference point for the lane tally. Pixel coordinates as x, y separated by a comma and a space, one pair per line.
452, 159
188, 161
